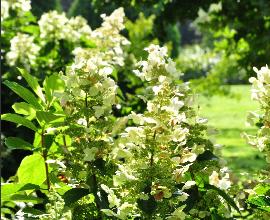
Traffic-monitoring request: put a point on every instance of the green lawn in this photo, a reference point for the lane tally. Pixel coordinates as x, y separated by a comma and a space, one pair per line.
228, 115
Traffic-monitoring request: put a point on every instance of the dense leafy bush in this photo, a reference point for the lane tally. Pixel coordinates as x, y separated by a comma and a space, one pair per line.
152, 167
116, 132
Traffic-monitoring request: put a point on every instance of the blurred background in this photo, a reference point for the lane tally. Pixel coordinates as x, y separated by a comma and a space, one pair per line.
215, 43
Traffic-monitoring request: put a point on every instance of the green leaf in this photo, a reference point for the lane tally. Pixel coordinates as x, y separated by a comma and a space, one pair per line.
52, 84
262, 189
24, 108
87, 42
37, 140
102, 199
215, 215
73, 195
18, 143
48, 118
228, 199
192, 199
33, 211
23, 93
148, 206
31, 29
26, 198
19, 120
9, 189
48, 141
260, 202
207, 155
32, 170
33, 83
6, 211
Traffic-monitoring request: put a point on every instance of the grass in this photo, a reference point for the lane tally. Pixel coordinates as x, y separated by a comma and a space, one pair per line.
228, 115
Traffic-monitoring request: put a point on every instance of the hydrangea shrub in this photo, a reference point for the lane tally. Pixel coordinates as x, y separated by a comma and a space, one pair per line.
166, 166
260, 92
156, 164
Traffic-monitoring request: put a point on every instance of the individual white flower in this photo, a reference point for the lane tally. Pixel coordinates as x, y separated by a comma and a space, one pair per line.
188, 185
105, 71
137, 118
157, 89
214, 178
176, 104
183, 197
82, 121
113, 200
223, 183
188, 157
122, 175
179, 134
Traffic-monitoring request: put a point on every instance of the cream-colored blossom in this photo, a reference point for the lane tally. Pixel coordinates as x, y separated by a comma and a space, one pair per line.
20, 6
223, 183
260, 92
23, 50
56, 26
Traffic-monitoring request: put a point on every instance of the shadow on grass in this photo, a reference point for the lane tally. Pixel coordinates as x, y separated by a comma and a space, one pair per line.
236, 132
240, 156
251, 164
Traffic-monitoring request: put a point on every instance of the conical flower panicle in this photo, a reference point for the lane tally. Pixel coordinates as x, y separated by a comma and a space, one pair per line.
165, 156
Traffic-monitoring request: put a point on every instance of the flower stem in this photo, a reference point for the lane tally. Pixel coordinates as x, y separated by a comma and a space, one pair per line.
44, 154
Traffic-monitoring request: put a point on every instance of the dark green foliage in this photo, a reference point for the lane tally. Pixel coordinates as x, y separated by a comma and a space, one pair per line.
73, 195
85, 212
148, 206
225, 196
250, 41
41, 6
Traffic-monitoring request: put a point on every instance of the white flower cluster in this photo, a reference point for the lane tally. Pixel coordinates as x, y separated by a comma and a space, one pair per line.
23, 50
20, 6
261, 92
123, 210
159, 148
56, 26
157, 60
91, 78
89, 85
108, 38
